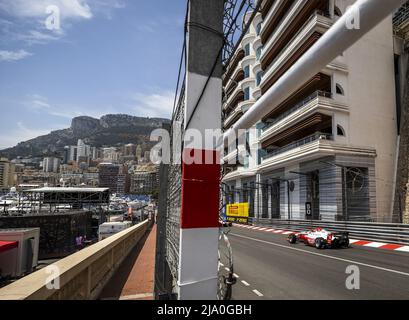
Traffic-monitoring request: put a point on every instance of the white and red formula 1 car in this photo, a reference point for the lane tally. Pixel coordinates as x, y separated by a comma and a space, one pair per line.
321, 238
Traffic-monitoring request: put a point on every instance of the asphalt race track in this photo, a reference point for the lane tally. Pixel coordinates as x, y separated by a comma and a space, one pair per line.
268, 267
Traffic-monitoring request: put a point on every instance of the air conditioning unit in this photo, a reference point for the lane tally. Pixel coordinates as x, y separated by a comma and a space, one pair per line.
18, 251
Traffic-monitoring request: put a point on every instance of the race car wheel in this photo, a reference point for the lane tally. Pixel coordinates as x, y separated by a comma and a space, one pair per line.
292, 238
319, 243
345, 244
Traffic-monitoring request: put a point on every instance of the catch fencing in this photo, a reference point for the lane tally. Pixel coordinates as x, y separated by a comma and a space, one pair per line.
379, 232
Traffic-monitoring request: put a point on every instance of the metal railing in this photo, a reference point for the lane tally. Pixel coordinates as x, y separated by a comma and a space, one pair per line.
296, 107
381, 232
299, 143
401, 16
82, 275
315, 14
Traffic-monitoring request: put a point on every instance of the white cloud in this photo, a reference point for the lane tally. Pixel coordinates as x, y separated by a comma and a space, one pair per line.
153, 105
9, 56
25, 20
38, 37
20, 134
39, 103
37, 8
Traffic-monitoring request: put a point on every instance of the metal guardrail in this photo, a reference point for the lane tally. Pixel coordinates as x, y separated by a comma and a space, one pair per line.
372, 231
82, 275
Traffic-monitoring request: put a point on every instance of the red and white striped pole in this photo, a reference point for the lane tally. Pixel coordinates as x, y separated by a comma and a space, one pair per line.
198, 256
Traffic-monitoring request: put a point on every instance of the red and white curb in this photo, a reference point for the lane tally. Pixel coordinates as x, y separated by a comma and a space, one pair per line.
355, 242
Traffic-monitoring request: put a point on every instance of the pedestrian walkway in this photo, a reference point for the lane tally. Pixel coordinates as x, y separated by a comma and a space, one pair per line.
134, 279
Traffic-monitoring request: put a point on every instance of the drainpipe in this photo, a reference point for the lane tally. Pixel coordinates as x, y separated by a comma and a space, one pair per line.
336, 40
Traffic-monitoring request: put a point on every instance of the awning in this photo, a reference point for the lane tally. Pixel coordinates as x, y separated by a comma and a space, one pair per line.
7, 245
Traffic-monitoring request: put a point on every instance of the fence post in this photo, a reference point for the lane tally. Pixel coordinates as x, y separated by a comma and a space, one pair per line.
198, 250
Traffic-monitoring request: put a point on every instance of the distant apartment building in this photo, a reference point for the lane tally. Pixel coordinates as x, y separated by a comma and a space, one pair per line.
7, 174
51, 164
115, 177
144, 182
129, 150
70, 154
331, 145
82, 152
110, 155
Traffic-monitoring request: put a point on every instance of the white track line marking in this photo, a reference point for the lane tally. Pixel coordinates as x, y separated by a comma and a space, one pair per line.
352, 241
236, 275
403, 249
258, 293
221, 264
288, 232
278, 231
227, 269
245, 283
262, 229
375, 244
325, 256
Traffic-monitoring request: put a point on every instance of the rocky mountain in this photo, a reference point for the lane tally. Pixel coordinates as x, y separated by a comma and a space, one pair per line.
110, 130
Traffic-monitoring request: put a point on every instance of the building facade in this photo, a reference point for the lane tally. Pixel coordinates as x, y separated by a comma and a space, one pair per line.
51, 164
144, 182
7, 174
331, 146
115, 177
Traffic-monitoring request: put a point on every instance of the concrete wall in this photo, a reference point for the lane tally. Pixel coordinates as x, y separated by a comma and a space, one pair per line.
82, 275
371, 98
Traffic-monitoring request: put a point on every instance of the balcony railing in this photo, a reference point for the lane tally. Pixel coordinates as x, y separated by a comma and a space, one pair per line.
297, 107
402, 15
315, 137
315, 14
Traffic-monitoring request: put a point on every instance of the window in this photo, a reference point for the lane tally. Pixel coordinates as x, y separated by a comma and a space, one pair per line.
246, 72
340, 131
258, 29
247, 94
245, 193
258, 53
247, 49
340, 90
259, 77
337, 12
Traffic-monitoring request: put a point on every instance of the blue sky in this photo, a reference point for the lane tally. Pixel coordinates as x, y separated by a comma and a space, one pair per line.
109, 56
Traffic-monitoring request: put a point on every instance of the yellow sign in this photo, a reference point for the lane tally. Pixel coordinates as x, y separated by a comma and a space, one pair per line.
238, 212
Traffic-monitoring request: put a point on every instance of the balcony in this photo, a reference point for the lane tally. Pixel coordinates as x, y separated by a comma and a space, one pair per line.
233, 117
241, 108
312, 30
234, 97
274, 15
239, 173
299, 143
310, 148
401, 20
320, 82
297, 16
266, 6
235, 78
235, 60
231, 156
318, 102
